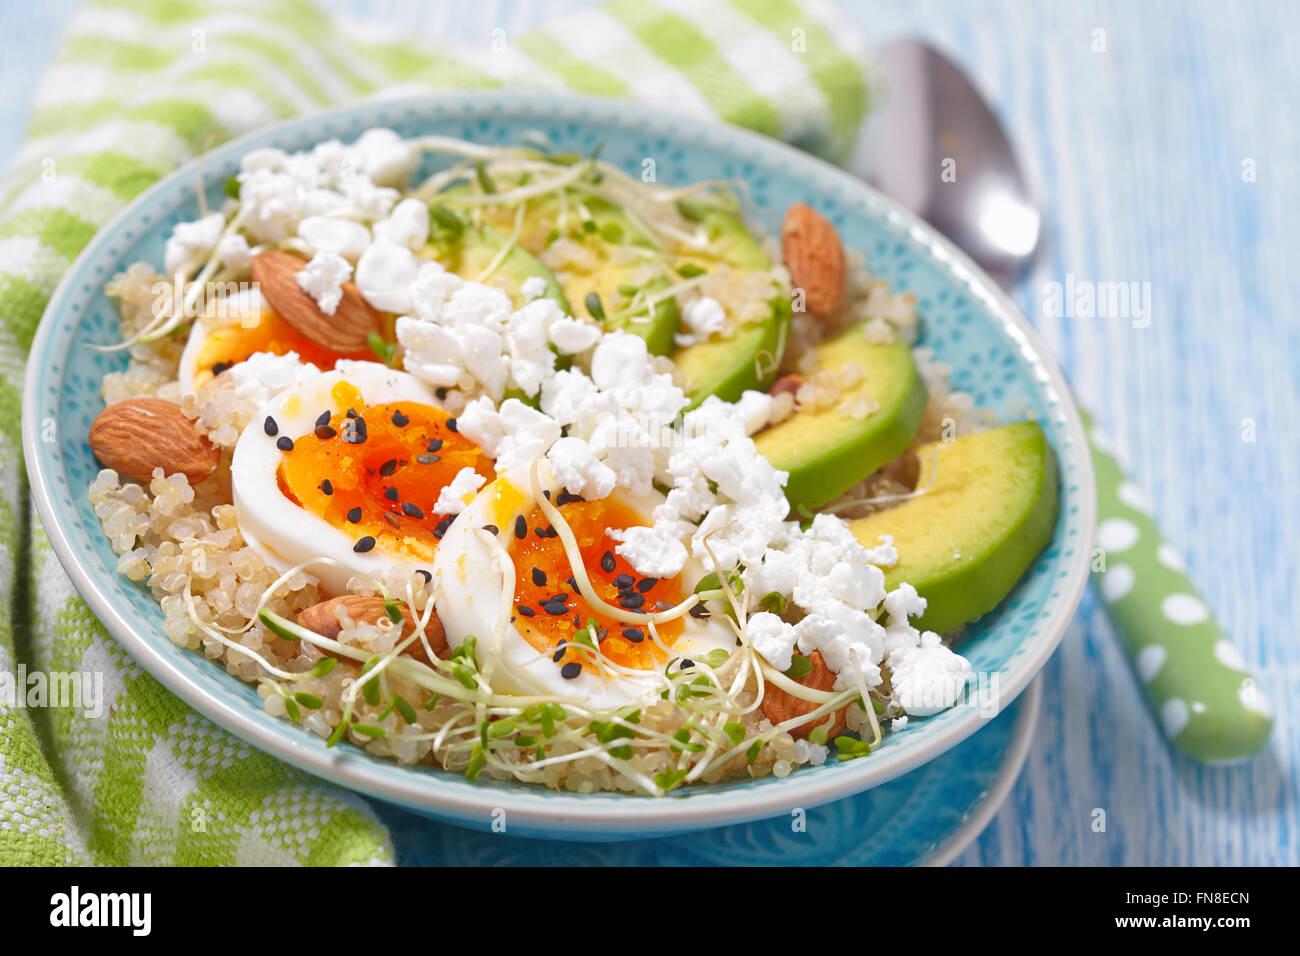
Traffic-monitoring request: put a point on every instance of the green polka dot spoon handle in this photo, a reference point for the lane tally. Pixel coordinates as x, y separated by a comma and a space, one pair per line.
1206, 701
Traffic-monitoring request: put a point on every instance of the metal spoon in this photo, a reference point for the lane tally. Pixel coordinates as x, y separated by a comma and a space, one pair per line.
943, 154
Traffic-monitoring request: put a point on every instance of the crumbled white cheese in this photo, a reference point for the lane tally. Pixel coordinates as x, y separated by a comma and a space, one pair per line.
534, 287
384, 276
653, 551
263, 375
903, 602
342, 237
407, 225
701, 318
572, 336
322, 279
898, 723
579, 471
385, 157
192, 241
885, 554
927, 678
515, 434
773, 638
451, 500
234, 251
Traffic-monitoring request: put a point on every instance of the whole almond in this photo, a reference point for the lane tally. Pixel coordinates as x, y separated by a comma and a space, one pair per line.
347, 330
135, 436
815, 257
778, 706
786, 383
323, 619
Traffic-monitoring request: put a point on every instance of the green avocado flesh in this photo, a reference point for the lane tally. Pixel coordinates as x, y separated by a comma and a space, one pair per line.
471, 251
990, 509
829, 451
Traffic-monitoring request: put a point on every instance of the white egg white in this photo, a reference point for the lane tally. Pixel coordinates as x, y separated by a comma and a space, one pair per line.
246, 306
470, 601
274, 525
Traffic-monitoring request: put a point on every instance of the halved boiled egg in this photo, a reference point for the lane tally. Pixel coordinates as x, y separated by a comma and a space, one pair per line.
236, 326
549, 618
349, 465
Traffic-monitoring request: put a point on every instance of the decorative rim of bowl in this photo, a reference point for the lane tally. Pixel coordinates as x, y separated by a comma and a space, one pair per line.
534, 810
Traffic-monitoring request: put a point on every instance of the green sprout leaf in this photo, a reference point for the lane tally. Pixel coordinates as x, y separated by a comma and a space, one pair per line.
370, 730
689, 270
484, 180
851, 748
754, 748
323, 667
232, 187
477, 760
310, 701
669, 779
594, 307
386, 352
446, 222
773, 602
404, 709
735, 732
800, 666
292, 710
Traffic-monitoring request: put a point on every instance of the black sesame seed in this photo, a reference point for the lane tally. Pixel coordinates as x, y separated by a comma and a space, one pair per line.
577, 621
521, 527
424, 574
554, 609
645, 584
270, 427
443, 525
323, 419
687, 663
663, 605
571, 670
412, 510
427, 459
392, 494
623, 581
491, 529
355, 514
435, 445
572, 582
559, 652
284, 443
634, 634
451, 424
539, 577
700, 611
551, 532
602, 634
400, 420
547, 492
526, 611
392, 519
220, 367
326, 487
441, 393
364, 545
352, 413
632, 601
325, 432
388, 467
565, 498
607, 562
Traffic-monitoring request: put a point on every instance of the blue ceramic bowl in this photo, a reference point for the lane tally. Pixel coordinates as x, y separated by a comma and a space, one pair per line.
968, 322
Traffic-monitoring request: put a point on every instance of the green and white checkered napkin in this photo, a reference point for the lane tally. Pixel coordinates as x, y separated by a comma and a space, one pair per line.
139, 89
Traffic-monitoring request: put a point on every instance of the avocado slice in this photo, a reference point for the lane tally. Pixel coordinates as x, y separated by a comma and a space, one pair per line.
750, 357
989, 509
471, 249
827, 452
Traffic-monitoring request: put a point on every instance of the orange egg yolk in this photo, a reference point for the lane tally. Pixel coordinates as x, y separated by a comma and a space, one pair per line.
231, 344
377, 475
549, 610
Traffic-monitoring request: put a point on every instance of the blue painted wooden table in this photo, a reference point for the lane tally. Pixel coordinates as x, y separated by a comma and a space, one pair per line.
1164, 139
